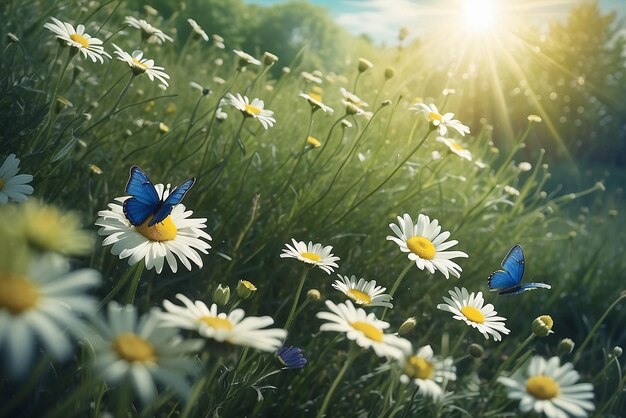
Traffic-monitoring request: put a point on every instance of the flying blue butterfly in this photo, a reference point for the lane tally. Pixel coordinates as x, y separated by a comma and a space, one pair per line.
509, 280
145, 202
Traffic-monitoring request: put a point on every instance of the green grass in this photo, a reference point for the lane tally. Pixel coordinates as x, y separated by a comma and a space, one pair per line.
259, 188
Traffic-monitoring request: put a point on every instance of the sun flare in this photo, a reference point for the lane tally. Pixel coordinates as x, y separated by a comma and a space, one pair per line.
479, 15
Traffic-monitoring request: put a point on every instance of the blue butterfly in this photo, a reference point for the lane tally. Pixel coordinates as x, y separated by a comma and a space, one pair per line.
145, 201
509, 280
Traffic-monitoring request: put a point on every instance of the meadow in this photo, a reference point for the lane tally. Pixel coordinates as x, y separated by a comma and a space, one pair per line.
192, 228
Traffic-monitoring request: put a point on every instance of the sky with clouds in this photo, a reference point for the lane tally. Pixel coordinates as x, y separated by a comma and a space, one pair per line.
381, 19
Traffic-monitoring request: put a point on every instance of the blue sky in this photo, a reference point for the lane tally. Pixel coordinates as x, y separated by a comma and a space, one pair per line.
381, 19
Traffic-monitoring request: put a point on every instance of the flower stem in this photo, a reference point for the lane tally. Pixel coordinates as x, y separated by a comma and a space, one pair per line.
351, 356
132, 289
515, 354
291, 316
397, 284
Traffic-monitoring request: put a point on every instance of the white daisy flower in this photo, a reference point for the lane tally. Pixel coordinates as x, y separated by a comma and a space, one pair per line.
253, 110
364, 329
315, 100
141, 65
77, 38
362, 292
547, 387
218, 41
178, 235
456, 148
41, 305
232, 328
426, 244
428, 372
198, 32
148, 32
137, 349
245, 58
439, 121
469, 307
311, 254
13, 187
352, 98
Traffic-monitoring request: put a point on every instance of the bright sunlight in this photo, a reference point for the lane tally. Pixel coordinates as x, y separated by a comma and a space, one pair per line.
479, 15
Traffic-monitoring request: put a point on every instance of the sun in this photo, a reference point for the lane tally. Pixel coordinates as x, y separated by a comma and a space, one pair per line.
479, 15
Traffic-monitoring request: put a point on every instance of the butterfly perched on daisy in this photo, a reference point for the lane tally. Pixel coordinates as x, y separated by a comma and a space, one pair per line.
508, 281
145, 201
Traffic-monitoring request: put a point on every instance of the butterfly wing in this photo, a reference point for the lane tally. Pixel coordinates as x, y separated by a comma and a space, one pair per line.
144, 199
512, 271
175, 197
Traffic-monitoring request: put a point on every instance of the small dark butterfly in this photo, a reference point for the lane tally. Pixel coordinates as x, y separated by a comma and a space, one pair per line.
145, 202
508, 281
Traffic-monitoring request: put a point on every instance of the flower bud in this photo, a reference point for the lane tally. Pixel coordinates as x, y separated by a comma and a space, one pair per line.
269, 58
389, 72
565, 346
534, 118
351, 109
95, 169
364, 65
314, 295
163, 128
346, 124
221, 295
385, 103
542, 326
313, 142
613, 213
476, 350
245, 289
286, 70
617, 351
407, 326
12, 38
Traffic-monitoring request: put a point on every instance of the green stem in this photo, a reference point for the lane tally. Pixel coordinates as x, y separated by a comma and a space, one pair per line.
396, 284
132, 289
351, 356
291, 316
513, 356
587, 340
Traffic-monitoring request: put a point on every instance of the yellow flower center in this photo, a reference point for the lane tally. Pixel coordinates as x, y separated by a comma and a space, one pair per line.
473, 314
547, 320
252, 110
1, 184
421, 246
216, 323
457, 147
359, 297
315, 96
542, 387
133, 348
139, 64
369, 330
433, 116
420, 368
17, 294
248, 285
314, 257
160, 231
80, 40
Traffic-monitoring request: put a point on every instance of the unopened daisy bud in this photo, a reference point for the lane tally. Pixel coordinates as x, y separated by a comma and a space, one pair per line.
407, 326
476, 350
313, 295
171, 108
542, 326
494, 150
163, 128
386, 103
286, 70
613, 213
128, 133
95, 169
617, 351
572, 234
218, 62
313, 142
389, 72
524, 166
61, 104
221, 295
12, 38
566, 346
351, 109
219, 80
245, 289
346, 124
269, 58
599, 186
364, 65
534, 118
